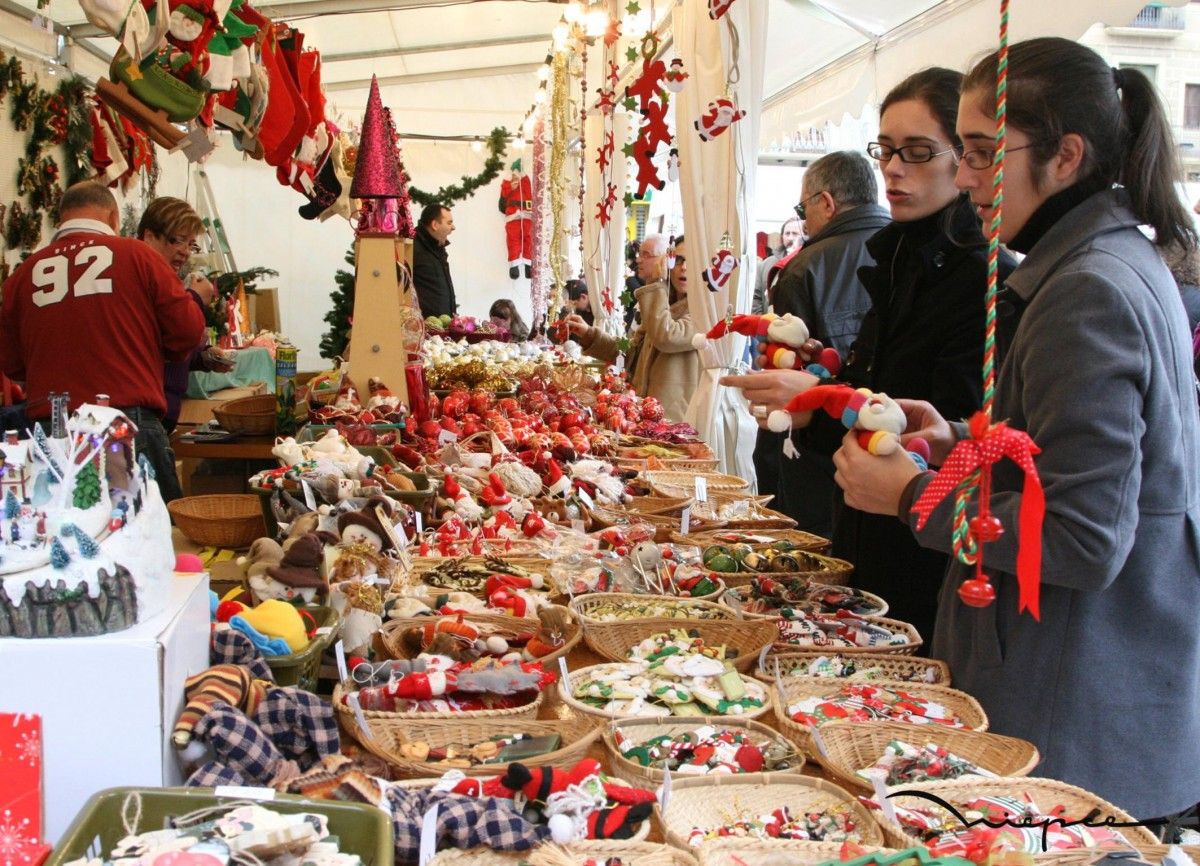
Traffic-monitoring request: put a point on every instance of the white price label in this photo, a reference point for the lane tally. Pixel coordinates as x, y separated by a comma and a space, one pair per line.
420, 522
664, 792
325, 629
428, 847
701, 489
339, 652
586, 498
685, 521
244, 792
881, 795
619, 364
309, 499
562, 670
358, 714
447, 437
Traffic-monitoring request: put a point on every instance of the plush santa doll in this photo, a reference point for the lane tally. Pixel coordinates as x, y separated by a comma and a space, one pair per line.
718, 117
781, 338
716, 275
516, 203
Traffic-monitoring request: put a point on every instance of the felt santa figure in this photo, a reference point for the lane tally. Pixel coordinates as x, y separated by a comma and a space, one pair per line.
876, 418
717, 117
717, 274
781, 337
516, 203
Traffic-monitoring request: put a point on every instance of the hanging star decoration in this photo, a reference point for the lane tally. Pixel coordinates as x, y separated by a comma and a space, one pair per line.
612, 33
632, 7
631, 53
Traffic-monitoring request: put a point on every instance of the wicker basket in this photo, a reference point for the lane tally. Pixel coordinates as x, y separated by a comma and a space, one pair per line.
1086, 856
894, 625
577, 735
502, 624
642, 729
962, 705
566, 694
423, 565
387, 726
849, 748
1046, 793
696, 802
666, 505
798, 537
626, 852
684, 483
732, 600
613, 640
253, 416
741, 852
231, 520
828, 570
891, 667
583, 605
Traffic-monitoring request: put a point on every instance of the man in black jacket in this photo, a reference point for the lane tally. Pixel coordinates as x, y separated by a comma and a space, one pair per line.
839, 206
431, 265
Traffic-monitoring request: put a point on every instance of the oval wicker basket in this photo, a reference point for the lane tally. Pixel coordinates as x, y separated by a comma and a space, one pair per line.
626, 852
423, 566
785, 693
231, 520
583, 606
665, 525
253, 416
642, 729
1046, 793
387, 726
742, 852
894, 625
666, 505
567, 696
696, 802
731, 599
613, 640
798, 537
577, 735
890, 666
850, 747
1086, 856
828, 570
392, 643
684, 483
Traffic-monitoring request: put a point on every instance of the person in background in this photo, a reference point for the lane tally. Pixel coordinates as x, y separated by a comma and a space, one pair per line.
663, 362
1184, 265
791, 236
579, 301
170, 227
820, 284
94, 313
504, 312
431, 264
633, 282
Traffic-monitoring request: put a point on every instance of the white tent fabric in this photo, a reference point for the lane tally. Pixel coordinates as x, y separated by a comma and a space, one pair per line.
717, 184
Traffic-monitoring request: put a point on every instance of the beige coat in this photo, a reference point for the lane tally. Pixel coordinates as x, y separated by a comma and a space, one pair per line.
668, 365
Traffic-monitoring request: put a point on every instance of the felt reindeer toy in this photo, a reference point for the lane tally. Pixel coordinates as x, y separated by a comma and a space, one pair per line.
876, 418
781, 338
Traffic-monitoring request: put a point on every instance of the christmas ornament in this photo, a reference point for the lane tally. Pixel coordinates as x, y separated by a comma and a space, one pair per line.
717, 8
675, 76
516, 203
718, 116
717, 274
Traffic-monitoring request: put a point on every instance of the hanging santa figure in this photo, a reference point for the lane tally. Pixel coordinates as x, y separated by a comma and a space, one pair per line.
716, 275
516, 203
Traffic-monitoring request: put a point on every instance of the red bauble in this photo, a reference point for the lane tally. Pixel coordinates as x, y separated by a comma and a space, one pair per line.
749, 758
977, 592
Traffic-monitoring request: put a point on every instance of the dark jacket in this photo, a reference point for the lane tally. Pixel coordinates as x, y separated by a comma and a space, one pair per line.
1107, 684
175, 376
922, 339
820, 285
431, 276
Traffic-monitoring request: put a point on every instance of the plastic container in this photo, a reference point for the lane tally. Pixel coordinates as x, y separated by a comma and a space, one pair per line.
361, 829
302, 669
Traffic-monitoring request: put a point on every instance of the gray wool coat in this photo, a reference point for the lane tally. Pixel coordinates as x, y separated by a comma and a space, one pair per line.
1107, 684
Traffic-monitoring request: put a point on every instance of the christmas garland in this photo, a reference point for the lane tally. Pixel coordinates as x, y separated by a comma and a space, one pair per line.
78, 139
497, 144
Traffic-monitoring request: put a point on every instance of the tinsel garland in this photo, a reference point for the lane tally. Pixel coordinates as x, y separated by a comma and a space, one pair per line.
497, 145
559, 131
540, 283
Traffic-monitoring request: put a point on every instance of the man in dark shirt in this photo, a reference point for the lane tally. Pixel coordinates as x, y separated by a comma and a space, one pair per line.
431, 265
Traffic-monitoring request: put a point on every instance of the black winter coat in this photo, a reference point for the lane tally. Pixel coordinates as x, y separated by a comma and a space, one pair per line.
922, 339
431, 276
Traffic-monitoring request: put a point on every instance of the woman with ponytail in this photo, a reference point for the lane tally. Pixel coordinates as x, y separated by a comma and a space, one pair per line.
1099, 374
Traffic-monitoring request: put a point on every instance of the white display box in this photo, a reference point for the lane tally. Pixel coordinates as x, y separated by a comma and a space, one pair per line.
108, 703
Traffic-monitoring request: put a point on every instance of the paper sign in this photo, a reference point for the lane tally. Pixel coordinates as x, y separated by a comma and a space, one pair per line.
881, 795
586, 498
428, 846
701, 489
340, 652
562, 669
664, 792
388, 528
309, 499
244, 792
447, 437
685, 520
358, 713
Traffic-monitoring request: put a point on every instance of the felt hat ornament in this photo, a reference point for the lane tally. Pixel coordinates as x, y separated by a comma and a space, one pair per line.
363, 526
300, 568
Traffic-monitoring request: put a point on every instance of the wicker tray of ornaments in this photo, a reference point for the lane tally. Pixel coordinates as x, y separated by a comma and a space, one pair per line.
633, 452
469, 573
547, 636
766, 750
668, 483
739, 511
742, 642
802, 704
768, 594
592, 852
600, 608
616, 690
913, 751
758, 538
859, 667
732, 851
700, 807
739, 564
891, 636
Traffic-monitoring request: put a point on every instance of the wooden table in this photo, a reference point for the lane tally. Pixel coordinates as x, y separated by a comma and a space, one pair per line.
244, 448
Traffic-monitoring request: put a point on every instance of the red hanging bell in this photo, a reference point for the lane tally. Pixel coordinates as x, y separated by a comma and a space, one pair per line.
977, 592
987, 528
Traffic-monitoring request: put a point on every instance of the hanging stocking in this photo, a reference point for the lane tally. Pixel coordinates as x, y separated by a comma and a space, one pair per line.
286, 118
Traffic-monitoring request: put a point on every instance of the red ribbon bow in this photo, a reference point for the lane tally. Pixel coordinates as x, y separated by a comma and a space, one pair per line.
986, 447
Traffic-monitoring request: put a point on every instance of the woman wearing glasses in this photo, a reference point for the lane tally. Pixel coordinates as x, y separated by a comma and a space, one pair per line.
924, 332
1107, 684
663, 362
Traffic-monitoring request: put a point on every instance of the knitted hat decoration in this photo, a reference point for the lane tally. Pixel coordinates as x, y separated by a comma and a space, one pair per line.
300, 567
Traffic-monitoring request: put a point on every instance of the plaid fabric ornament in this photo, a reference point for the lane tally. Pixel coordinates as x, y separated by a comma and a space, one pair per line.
234, 648
462, 822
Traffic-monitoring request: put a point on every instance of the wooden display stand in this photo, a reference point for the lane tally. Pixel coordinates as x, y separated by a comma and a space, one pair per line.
377, 336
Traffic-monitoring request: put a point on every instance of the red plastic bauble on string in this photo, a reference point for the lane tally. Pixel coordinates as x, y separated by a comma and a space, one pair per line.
977, 592
986, 529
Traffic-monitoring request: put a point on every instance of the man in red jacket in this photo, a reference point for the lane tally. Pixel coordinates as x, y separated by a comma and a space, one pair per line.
94, 313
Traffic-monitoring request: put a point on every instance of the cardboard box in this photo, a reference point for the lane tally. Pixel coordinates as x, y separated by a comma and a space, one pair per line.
264, 310
193, 412
108, 703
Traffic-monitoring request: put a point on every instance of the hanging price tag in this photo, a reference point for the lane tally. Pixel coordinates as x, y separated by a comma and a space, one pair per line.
339, 652
447, 437
586, 499
428, 847
358, 714
701, 489
619, 364
420, 522
685, 520
562, 670
881, 795
309, 499
664, 792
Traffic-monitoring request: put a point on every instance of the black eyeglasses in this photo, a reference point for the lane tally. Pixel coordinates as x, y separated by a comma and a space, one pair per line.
910, 153
985, 157
800, 208
184, 243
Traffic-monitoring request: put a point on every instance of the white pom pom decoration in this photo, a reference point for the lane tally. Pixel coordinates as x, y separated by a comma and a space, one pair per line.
562, 829
779, 421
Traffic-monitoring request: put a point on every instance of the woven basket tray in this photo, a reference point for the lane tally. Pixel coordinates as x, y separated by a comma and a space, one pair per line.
613, 640
642, 729
671, 483
583, 606
666, 505
742, 852
962, 705
665, 525
253, 416
731, 600
423, 565
711, 801
629, 852
827, 570
891, 667
894, 625
577, 735
566, 693
230, 520
502, 624
1046, 793
387, 726
801, 539
1085, 856
849, 748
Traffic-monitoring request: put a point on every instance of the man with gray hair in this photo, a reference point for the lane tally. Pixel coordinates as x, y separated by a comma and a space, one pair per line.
840, 209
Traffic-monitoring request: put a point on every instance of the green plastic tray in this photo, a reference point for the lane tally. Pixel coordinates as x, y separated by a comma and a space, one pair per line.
361, 829
301, 669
